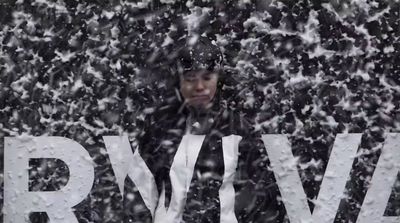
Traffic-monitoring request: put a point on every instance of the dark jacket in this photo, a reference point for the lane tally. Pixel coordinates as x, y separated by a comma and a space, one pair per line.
257, 195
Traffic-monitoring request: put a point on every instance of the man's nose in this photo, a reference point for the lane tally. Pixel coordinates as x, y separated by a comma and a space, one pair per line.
199, 85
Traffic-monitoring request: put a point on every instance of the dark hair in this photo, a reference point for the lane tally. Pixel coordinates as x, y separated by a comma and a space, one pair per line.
196, 53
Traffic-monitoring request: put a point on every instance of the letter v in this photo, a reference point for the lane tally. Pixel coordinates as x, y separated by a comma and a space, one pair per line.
333, 184
125, 163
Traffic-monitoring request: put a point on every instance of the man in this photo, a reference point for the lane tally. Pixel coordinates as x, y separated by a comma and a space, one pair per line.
222, 185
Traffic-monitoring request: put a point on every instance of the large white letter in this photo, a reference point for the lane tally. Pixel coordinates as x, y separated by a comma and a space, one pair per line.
382, 182
181, 173
19, 201
332, 187
125, 163
230, 148
181, 176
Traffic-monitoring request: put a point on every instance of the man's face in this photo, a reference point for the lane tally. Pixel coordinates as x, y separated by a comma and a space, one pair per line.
198, 87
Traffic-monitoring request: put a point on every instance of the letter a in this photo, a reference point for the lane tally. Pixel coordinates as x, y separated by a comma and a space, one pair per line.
382, 182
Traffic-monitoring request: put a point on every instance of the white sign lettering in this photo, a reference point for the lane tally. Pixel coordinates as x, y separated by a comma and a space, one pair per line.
125, 163
284, 166
19, 201
335, 178
382, 182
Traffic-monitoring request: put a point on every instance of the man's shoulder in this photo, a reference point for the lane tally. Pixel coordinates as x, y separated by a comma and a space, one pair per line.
164, 116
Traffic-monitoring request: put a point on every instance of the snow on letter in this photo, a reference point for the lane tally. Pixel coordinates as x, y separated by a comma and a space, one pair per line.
19, 201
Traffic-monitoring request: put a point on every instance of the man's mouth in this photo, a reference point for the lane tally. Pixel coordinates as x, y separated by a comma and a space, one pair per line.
200, 98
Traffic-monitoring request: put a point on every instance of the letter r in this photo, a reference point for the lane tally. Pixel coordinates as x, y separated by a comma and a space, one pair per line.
19, 201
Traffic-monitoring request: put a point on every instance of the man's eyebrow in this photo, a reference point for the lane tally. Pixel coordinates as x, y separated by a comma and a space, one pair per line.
189, 75
209, 73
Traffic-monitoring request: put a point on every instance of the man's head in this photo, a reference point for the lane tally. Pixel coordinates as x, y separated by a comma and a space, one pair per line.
198, 64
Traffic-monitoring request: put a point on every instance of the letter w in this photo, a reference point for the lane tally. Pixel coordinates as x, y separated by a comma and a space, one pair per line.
125, 163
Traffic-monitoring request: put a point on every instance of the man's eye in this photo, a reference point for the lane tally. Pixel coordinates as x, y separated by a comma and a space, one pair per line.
208, 77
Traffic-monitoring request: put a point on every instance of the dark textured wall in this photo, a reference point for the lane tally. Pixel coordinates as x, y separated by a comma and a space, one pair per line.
308, 69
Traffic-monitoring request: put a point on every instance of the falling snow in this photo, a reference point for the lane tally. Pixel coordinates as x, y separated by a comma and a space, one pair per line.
307, 69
